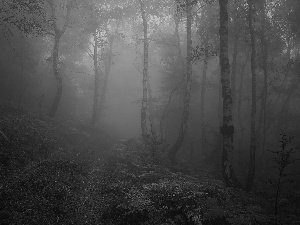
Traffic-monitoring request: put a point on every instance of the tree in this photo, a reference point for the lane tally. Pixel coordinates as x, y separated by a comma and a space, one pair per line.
205, 51
97, 70
172, 69
57, 33
100, 20
227, 128
107, 61
145, 73
264, 94
44, 17
187, 91
251, 171
97, 17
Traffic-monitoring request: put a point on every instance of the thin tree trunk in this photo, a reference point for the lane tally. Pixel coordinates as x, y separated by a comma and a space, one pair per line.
107, 68
282, 114
239, 114
104, 88
251, 170
164, 115
262, 116
57, 76
280, 95
186, 108
97, 80
233, 72
177, 37
227, 128
145, 74
202, 99
151, 108
57, 35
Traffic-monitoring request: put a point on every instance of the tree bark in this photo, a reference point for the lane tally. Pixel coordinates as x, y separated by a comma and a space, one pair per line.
251, 169
186, 107
227, 129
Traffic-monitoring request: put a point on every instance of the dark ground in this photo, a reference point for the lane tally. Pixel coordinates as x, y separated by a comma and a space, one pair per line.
57, 171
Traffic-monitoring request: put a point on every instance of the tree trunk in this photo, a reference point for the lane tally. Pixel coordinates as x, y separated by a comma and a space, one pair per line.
165, 114
151, 108
186, 107
104, 88
262, 116
234, 62
202, 106
177, 37
57, 35
239, 115
145, 74
97, 80
227, 129
107, 68
57, 76
251, 170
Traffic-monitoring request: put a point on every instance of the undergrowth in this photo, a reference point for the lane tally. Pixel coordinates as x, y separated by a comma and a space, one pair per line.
62, 173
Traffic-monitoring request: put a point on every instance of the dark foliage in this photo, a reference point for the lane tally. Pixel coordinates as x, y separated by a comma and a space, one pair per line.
90, 185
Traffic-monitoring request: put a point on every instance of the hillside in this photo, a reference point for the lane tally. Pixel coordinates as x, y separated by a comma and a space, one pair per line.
64, 172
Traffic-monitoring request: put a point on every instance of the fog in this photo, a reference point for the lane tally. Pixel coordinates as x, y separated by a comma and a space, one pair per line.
213, 94
122, 108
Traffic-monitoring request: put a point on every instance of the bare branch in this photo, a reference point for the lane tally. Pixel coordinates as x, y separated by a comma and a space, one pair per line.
5, 137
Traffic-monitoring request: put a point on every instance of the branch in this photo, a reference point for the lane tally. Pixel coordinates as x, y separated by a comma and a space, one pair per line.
5, 137
90, 54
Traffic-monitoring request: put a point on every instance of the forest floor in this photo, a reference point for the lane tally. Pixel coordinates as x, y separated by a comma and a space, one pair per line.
58, 171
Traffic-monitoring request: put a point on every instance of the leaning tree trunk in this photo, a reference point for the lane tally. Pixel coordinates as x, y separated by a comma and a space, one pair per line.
145, 74
227, 129
186, 107
97, 80
57, 76
251, 169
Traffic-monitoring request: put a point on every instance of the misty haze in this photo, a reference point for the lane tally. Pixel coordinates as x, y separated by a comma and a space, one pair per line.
150, 112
